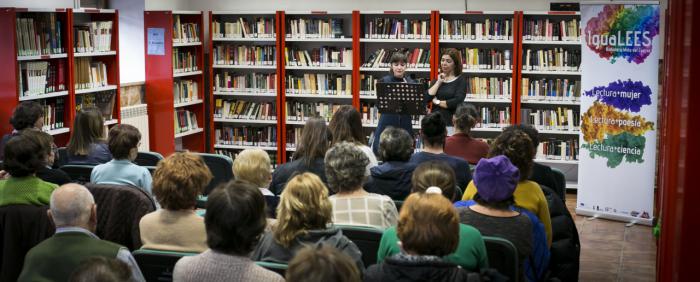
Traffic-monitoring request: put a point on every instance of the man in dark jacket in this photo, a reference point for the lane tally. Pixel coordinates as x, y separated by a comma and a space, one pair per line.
393, 177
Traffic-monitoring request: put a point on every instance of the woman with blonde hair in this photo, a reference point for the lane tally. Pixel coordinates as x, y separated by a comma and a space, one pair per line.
253, 165
303, 218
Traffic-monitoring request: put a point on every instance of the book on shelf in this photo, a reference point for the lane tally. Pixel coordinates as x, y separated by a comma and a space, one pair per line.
41, 77
488, 87
561, 118
487, 29
557, 149
315, 28
233, 153
54, 113
484, 59
244, 55
247, 136
319, 84
318, 57
103, 100
185, 121
39, 34
368, 84
494, 117
551, 89
243, 28
302, 111
185, 91
395, 28
240, 109
551, 30
380, 58
293, 136
248, 82
555, 59
89, 73
184, 60
370, 113
184, 32
92, 37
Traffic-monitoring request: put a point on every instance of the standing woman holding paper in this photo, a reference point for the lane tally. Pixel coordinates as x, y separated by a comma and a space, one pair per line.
450, 88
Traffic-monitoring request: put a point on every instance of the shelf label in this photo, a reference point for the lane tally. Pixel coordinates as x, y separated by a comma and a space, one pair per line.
156, 41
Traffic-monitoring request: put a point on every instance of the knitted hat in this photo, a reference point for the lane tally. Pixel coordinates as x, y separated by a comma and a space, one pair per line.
496, 178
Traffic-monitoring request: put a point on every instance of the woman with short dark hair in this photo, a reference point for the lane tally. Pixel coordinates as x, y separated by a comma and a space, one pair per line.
123, 142
322, 264
24, 156
393, 176
28, 114
86, 144
461, 144
46, 173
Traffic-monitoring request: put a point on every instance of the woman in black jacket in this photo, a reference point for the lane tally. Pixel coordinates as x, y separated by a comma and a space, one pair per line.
450, 88
393, 176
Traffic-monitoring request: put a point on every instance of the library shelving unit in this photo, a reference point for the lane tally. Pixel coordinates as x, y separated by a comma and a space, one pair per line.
175, 80
550, 86
243, 71
318, 60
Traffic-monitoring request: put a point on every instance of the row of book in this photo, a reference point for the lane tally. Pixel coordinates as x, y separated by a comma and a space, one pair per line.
319, 84
494, 117
394, 28
248, 82
185, 91
368, 83
93, 37
184, 60
549, 30
381, 58
246, 136
242, 28
485, 59
244, 55
54, 113
370, 113
488, 29
36, 78
240, 109
185, 121
557, 59
89, 74
184, 32
315, 28
489, 87
318, 57
561, 118
39, 34
551, 89
303, 110
234, 153
103, 100
556, 149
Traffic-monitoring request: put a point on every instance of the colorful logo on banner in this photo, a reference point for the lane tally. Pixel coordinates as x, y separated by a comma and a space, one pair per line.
623, 32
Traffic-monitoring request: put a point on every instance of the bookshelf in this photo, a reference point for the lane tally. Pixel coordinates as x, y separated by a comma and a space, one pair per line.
175, 80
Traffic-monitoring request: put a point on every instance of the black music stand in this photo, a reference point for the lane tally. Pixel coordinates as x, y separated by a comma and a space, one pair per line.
400, 98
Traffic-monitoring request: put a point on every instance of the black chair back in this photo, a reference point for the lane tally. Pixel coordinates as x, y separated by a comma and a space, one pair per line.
157, 265
78, 173
151, 169
279, 268
367, 240
62, 157
503, 256
21, 228
148, 158
0, 164
560, 180
221, 168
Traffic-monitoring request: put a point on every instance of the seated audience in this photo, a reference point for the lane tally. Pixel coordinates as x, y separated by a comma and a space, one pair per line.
322, 264
101, 269
429, 230
177, 182
495, 180
74, 213
346, 125
541, 174
24, 156
461, 144
303, 219
46, 172
438, 177
28, 114
352, 205
311, 148
517, 146
393, 176
234, 220
86, 144
123, 141
433, 132
253, 165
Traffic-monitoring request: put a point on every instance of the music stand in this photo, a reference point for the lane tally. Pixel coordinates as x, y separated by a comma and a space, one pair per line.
400, 98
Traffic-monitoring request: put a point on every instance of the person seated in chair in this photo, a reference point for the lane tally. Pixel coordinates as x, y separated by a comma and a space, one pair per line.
123, 142
24, 156
101, 269
86, 144
27, 115
253, 165
47, 173
461, 144
322, 264
393, 176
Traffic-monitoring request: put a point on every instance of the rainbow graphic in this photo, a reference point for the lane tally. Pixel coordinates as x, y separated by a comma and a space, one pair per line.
621, 31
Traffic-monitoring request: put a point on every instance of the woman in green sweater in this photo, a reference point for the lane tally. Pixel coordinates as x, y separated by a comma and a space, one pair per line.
24, 156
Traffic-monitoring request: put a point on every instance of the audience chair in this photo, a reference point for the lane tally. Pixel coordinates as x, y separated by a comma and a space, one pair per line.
0, 164
158, 265
367, 240
78, 173
201, 202
503, 256
221, 168
21, 228
151, 169
398, 204
62, 154
279, 268
560, 180
148, 158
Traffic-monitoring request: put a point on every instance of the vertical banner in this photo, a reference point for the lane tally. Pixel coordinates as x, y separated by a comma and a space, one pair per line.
619, 101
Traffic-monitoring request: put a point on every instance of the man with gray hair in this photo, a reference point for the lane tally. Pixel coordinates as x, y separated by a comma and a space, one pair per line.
74, 213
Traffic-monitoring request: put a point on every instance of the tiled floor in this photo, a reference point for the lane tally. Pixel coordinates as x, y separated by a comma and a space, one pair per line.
612, 252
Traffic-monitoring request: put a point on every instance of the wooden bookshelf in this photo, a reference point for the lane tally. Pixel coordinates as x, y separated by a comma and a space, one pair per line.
162, 75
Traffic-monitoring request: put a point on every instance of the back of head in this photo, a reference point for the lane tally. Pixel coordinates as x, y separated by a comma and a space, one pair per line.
517, 146
465, 117
122, 140
88, 128
320, 265
395, 144
345, 166
24, 155
235, 218
101, 269
434, 173
433, 129
314, 140
71, 205
495, 179
253, 165
26, 115
43, 138
529, 130
303, 206
346, 125
179, 179
428, 225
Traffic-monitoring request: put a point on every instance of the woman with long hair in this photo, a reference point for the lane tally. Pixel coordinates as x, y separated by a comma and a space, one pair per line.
87, 144
346, 125
450, 88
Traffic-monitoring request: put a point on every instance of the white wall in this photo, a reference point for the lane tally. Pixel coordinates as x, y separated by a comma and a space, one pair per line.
179, 5
131, 51
37, 3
